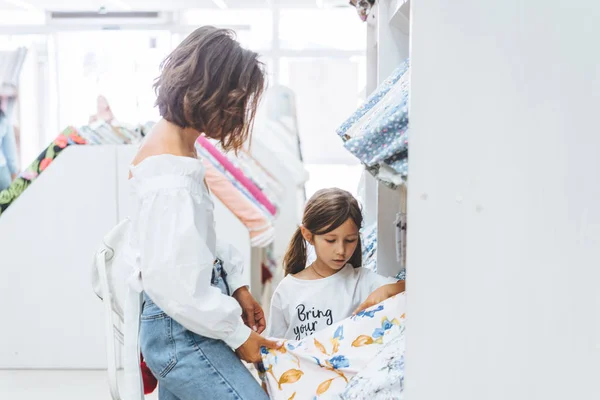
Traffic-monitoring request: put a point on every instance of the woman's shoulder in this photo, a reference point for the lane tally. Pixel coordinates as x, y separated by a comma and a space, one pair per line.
164, 164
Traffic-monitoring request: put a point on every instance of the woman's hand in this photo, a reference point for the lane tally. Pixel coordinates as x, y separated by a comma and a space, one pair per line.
252, 312
250, 350
381, 294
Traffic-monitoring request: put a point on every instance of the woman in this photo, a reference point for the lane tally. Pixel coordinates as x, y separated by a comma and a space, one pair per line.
190, 325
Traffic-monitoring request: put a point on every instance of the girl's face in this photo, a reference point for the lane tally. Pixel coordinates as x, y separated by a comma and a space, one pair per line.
335, 248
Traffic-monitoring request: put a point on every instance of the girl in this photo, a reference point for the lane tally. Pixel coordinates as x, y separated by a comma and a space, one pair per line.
331, 288
196, 311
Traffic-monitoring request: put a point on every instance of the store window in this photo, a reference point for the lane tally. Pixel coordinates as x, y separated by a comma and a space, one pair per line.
309, 29
120, 65
31, 110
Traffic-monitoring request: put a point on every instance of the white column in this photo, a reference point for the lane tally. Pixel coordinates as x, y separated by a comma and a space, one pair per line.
504, 201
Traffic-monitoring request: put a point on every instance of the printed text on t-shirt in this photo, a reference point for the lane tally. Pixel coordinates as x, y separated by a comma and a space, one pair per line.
310, 319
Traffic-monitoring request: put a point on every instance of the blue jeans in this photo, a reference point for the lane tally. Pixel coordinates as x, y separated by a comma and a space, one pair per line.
189, 366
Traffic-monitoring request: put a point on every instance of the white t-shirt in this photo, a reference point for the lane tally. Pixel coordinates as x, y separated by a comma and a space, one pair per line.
301, 307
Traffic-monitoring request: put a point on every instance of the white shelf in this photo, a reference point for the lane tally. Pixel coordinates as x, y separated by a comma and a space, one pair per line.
400, 15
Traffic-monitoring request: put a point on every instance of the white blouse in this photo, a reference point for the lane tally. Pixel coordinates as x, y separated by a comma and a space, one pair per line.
173, 244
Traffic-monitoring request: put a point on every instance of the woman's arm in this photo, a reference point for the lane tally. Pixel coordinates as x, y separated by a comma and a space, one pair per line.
233, 264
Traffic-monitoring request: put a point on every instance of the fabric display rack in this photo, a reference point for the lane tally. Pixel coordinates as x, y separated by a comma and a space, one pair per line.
96, 134
377, 135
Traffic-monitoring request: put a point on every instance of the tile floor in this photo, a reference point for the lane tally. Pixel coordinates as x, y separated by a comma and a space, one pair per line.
55, 385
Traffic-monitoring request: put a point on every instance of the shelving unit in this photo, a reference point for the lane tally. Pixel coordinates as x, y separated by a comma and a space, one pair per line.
399, 16
387, 47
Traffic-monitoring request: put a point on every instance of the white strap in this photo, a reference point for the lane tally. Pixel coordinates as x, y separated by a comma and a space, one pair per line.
108, 327
133, 376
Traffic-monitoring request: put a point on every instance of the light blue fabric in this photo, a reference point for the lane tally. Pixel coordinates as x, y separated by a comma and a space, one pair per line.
401, 275
8, 145
377, 133
385, 135
369, 244
373, 99
189, 366
399, 163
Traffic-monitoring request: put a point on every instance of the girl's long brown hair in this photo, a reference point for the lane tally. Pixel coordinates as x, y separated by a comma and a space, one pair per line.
326, 210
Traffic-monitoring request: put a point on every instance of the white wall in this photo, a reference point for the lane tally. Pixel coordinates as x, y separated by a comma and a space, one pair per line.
51, 316
504, 215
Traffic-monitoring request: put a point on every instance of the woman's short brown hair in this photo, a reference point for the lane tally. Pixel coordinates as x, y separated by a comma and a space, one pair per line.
211, 84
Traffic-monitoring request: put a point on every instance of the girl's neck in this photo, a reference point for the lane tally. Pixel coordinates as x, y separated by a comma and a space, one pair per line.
322, 270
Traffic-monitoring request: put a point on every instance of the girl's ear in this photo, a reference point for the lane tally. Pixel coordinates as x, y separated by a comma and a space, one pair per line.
306, 235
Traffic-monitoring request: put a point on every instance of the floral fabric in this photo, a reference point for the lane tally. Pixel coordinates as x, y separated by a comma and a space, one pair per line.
383, 378
322, 365
66, 138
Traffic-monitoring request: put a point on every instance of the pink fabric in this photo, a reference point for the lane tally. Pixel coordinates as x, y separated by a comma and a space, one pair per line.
238, 174
256, 222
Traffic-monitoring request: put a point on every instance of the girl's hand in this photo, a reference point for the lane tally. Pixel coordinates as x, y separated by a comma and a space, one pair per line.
381, 294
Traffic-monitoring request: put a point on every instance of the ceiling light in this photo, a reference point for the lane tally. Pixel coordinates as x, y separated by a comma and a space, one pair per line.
21, 4
220, 3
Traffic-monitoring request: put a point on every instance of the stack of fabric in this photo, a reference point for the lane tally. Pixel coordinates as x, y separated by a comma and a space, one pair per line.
67, 137
97, 133
245, 188
101, 132
377, 133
